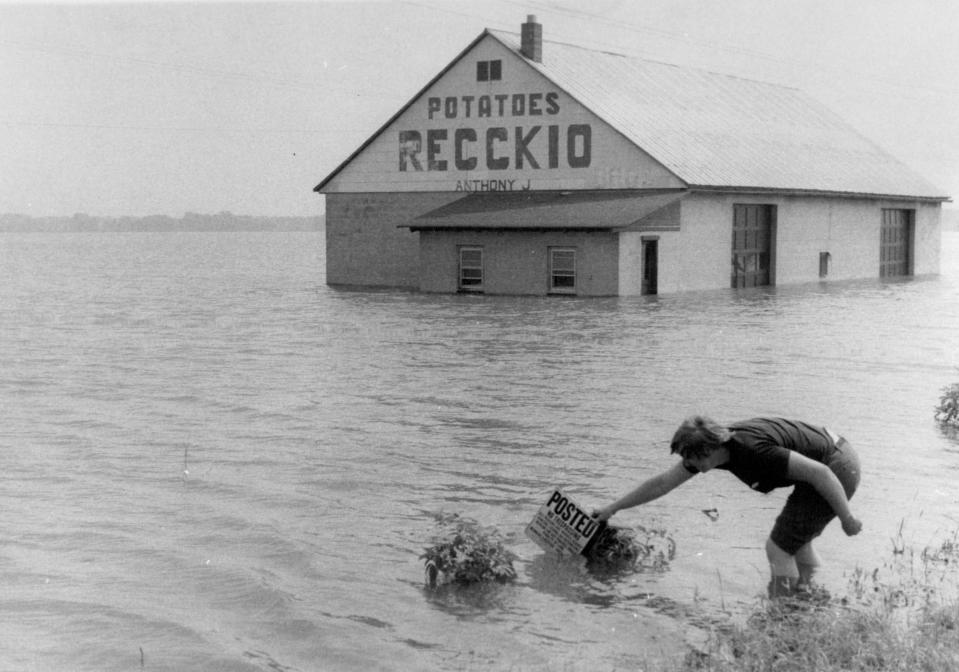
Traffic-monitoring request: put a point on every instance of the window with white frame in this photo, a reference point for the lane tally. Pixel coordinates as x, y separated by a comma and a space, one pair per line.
471, 269
562, 270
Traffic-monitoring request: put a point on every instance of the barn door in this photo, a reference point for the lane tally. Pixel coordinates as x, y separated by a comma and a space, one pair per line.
894, 247
752, 244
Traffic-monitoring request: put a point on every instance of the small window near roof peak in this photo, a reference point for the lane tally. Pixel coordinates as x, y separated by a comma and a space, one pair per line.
488, 71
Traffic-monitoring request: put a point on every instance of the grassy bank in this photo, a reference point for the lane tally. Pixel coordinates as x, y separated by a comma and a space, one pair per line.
903, 616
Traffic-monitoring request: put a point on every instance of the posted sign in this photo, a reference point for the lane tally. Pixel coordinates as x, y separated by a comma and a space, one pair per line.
561, 526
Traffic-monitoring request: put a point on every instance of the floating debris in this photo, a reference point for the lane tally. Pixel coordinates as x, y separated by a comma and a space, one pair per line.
712, 514
467, 552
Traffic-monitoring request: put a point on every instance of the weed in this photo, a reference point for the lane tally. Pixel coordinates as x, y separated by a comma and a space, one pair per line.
901, 616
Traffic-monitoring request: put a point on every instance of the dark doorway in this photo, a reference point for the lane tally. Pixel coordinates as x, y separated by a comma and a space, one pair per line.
650, 266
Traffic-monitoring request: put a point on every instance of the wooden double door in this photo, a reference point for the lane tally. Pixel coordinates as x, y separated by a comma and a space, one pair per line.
752, 245
895, 243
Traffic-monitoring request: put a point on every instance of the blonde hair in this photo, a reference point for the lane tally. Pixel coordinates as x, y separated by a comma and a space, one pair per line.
698, 436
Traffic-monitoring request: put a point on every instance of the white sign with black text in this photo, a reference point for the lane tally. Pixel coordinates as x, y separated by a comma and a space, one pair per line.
561, 526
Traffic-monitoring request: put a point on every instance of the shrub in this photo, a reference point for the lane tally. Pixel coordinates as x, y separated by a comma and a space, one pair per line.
947, 412
466, 552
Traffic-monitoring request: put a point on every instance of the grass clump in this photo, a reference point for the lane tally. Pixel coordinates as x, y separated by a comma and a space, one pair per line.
909, 621
466, 552
834, 638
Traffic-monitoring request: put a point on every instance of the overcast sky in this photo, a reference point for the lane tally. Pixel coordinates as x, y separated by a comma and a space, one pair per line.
145, 108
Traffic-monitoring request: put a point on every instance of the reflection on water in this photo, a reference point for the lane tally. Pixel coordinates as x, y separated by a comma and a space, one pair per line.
569, 579
474, 601
322, 425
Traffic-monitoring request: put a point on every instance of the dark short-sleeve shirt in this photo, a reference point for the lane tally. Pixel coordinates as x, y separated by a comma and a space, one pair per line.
759, 450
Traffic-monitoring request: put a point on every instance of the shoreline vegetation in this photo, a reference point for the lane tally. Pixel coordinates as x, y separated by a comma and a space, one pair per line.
191, 221
902, 615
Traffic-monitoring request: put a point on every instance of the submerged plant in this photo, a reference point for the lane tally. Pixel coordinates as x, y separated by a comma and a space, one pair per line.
622, 547
467, 552
947, 412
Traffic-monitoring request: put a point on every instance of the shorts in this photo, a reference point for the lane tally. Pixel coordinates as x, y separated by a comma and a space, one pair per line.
806, 513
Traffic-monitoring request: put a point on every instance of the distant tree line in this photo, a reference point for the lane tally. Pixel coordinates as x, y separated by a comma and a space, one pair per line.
221, 221
191, 221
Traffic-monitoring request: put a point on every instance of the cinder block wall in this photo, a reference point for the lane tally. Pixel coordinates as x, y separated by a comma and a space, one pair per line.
364, 245
517, 262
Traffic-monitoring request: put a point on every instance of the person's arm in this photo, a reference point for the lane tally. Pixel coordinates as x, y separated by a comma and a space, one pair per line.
819, 476
647, 491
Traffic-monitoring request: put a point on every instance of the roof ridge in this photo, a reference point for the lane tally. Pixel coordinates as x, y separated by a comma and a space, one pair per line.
496, 33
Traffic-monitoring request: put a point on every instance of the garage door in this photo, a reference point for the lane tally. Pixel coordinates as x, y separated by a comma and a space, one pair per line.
752, 240
894, 247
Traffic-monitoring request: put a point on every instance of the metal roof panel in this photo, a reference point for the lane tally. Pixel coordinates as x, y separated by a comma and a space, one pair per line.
719, 130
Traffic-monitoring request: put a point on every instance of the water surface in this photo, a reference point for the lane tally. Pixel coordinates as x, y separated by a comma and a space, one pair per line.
212, 461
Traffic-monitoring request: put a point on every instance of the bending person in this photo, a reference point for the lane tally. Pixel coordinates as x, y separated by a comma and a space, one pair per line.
769, 453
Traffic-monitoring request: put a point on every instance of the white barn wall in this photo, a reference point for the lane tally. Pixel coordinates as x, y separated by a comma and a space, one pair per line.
630, 263
803, 230
698, 258
928, 239
656, 225
850, 230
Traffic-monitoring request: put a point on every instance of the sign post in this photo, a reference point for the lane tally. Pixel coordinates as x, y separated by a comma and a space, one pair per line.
563, 527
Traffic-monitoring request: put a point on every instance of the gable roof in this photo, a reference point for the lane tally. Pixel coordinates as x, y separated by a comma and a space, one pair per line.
715, 131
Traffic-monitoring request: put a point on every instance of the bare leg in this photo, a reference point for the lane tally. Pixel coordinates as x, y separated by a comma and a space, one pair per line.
807, 563
785, 572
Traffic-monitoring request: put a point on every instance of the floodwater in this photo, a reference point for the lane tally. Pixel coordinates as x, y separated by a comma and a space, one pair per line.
212, 461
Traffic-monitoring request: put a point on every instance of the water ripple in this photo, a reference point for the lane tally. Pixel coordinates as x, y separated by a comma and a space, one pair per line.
212, 457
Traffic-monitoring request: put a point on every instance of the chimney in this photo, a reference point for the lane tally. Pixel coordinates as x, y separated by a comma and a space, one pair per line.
532, 39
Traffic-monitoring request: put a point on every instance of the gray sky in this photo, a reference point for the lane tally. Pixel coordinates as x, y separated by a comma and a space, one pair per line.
143, 108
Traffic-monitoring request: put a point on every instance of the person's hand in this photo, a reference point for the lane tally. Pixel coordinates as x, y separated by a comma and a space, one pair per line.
851, 526
602, 515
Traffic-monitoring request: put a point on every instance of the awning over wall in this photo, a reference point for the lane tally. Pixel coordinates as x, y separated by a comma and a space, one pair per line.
596, 210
